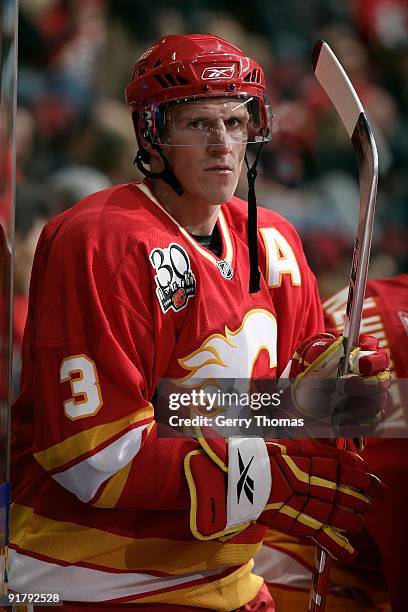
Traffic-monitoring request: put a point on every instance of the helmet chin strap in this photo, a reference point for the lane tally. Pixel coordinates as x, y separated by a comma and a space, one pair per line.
252, 227
166, 174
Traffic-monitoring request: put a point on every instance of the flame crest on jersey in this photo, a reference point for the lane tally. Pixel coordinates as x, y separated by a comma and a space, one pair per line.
234, 353
175, 282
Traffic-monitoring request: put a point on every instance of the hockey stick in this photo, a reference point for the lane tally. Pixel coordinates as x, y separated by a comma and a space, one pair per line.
335, 82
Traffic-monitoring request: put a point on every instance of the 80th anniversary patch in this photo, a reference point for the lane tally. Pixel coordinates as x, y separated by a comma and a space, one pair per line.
175, 282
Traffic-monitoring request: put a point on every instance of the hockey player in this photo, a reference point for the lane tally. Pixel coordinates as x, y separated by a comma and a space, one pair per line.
286, 563
146, 281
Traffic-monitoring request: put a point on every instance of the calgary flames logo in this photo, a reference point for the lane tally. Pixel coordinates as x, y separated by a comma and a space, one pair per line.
179, 298
234, 354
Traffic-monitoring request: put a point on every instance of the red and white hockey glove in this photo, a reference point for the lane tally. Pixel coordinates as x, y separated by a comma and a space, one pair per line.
363, 392
297, 486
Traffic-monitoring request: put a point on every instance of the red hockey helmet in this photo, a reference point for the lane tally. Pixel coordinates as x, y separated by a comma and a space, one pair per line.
185, 68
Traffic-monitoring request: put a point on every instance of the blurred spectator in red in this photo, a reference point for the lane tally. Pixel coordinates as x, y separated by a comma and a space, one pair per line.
385, 21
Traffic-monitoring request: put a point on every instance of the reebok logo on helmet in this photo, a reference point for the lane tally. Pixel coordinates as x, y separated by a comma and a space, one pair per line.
217, 72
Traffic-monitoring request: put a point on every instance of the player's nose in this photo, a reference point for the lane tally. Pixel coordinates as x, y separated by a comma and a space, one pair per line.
218, 139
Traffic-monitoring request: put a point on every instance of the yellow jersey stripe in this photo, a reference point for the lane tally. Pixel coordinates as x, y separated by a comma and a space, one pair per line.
68, 542
78, 444
114, 488
230, 592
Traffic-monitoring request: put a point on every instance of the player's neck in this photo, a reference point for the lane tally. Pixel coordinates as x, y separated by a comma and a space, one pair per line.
198, 217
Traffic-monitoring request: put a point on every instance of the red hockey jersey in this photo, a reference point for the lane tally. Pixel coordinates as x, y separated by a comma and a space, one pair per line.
385, 316
285, 562
122, 296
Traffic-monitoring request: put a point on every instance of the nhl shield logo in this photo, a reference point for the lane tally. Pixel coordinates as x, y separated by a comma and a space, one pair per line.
175, 282
225, 269
404, 319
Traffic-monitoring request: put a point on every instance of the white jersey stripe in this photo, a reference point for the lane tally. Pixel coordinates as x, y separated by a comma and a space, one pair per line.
85, 478
74, 583
277, 567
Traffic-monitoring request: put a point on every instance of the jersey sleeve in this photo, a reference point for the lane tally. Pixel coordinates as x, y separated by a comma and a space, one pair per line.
91, 340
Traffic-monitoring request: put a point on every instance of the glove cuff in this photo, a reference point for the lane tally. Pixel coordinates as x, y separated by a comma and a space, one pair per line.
224, 502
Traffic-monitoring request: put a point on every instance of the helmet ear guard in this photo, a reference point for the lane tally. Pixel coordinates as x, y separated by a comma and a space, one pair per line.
143, 154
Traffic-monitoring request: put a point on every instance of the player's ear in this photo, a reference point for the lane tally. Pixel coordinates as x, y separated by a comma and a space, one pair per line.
148, 151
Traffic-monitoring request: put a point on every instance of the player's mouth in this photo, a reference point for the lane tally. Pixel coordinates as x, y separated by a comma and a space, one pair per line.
219, 169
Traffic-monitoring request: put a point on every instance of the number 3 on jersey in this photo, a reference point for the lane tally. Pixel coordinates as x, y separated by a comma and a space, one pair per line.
86, 397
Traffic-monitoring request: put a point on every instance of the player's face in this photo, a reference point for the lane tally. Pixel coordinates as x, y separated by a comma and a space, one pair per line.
206, 146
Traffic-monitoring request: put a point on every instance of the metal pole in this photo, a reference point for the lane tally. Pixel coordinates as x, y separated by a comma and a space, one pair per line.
8, 97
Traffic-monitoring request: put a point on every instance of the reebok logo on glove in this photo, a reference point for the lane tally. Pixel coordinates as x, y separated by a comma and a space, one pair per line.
245, 482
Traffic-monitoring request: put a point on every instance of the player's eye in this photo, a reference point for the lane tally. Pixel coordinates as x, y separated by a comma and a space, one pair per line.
233, 122
196, 124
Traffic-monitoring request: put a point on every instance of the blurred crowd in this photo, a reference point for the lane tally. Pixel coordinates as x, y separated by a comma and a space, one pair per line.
74, 134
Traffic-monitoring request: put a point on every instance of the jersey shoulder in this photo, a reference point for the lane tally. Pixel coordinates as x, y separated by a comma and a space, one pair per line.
105, 238
237, 210
114, 209
112, 220
392, 291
